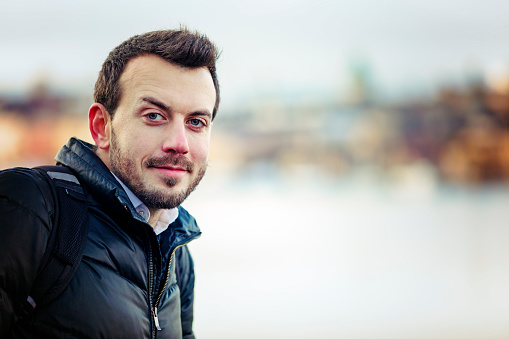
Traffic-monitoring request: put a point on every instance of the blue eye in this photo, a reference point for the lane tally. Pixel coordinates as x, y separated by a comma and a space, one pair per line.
154, 116
196, 122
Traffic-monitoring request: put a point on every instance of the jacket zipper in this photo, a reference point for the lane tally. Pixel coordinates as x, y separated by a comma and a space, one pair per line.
151, 287
156, 319
153, 306
154, 310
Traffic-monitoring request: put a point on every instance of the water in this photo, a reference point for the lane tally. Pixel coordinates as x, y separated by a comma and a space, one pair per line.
350, 258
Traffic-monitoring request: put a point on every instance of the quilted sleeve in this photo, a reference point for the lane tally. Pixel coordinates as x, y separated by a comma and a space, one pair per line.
26, 211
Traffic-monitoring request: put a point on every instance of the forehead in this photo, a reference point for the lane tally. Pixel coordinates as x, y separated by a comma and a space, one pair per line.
151, 74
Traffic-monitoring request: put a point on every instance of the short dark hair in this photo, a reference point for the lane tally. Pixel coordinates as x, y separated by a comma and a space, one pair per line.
182, 47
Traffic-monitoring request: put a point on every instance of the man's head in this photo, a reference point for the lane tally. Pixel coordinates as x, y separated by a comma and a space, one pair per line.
156, 97
180, 47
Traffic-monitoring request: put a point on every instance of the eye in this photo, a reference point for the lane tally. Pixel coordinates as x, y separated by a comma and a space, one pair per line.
196, 122
154, 116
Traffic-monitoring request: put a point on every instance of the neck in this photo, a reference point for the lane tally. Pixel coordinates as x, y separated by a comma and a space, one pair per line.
104, 156
154, 216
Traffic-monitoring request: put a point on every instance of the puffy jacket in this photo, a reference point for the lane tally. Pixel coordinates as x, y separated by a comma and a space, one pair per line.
113, 293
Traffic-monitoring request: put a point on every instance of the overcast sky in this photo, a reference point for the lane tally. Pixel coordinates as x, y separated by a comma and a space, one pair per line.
296, 45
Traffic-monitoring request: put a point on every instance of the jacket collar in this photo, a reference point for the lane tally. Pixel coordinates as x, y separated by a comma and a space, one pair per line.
89, 168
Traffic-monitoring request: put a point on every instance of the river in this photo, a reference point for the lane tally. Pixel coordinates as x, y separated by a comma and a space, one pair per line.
318, 257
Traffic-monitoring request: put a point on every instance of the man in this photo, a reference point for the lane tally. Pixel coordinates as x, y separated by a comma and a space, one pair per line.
155, 99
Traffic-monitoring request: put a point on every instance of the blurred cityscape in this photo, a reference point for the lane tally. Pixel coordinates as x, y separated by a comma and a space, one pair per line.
388, 263
458, 135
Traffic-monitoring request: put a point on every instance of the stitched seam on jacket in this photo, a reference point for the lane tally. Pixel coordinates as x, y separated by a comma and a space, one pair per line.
26, 210
95, 261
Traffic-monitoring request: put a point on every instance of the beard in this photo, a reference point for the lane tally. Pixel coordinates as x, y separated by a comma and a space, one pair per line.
124, 167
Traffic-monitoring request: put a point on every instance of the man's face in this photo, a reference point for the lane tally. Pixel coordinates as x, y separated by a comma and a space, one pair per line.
160, 131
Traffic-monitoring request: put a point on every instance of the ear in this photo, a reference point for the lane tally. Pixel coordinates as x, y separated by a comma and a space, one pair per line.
99, 122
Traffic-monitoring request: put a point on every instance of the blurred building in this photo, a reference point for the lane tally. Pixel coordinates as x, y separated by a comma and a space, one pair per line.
461, 135
35, 124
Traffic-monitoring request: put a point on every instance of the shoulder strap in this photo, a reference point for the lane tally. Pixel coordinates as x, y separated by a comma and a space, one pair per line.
67, 239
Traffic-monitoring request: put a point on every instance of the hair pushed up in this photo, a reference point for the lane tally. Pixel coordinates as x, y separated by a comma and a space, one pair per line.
182, 47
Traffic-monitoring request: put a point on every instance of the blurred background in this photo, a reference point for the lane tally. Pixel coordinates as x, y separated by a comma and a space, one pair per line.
359, 167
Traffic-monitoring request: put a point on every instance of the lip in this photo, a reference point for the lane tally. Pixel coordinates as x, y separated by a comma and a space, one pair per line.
171, 171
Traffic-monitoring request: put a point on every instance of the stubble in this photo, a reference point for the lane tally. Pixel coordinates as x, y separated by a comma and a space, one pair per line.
153, 197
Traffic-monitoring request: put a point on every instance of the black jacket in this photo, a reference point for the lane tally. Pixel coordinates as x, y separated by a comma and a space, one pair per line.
114, 292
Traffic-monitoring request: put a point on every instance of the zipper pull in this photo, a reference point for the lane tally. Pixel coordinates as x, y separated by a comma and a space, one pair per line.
156, 319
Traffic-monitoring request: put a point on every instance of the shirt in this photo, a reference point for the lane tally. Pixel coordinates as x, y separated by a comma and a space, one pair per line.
165, 219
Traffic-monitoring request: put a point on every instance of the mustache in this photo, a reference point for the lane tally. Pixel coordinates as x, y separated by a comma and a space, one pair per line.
170, 160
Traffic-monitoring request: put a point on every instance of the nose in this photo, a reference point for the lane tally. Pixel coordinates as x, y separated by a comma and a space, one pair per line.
176, 139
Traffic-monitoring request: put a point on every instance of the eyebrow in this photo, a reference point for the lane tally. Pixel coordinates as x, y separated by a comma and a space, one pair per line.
201, 113
166, 108
157, 103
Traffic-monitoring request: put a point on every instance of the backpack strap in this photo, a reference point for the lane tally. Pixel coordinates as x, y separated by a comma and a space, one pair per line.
67, 239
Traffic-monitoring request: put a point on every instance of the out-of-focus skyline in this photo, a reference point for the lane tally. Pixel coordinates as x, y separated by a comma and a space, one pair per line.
326, 210
298, 46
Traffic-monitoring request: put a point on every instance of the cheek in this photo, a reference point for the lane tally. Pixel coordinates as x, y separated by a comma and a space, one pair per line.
200, 149
132, 143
